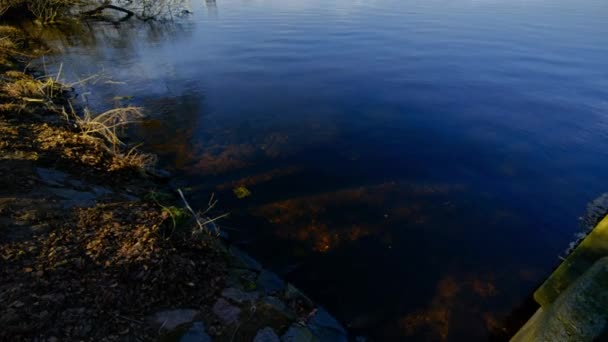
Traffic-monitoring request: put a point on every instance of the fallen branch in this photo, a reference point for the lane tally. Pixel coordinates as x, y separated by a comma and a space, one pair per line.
108, 6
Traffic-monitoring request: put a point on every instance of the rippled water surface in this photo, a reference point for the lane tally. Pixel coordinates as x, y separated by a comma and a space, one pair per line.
417, 166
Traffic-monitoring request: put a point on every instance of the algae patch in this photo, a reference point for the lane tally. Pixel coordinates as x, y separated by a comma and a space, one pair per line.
241, 192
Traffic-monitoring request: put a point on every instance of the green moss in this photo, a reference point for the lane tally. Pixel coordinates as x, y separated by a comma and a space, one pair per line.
591, 249
579, 313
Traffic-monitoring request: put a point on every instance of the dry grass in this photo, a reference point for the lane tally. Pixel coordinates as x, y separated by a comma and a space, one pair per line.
11, 33
11, 40
7, 44
18, 89
23, 89
26, 88
47, 11
133, 160
108, 124
107, 127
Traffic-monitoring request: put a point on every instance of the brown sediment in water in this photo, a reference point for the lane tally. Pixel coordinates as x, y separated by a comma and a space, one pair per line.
308, 218
259, 178
230, 158
453, 295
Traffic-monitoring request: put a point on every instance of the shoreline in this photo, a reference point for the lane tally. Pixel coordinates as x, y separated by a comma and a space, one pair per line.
96, 245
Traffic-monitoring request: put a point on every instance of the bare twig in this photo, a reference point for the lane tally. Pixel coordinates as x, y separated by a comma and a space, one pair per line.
215, 219
210, 204
202, 225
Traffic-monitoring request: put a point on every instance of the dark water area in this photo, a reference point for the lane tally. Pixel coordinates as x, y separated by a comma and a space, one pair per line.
416, 166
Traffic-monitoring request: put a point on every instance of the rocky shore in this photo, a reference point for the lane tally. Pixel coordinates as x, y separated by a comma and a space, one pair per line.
96, 245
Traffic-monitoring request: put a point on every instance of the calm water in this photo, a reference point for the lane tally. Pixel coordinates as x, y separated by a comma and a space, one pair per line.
417, 166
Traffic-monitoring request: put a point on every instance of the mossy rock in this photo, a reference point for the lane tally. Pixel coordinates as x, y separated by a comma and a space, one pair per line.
580, 313
591, 249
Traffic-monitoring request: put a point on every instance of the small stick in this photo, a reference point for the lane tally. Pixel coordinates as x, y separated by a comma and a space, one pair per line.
198, 222
210, 204
215, 219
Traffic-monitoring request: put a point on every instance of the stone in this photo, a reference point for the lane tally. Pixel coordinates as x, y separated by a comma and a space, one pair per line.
51, 176
591, 249
274, 302
298, 333
266, 335
293, 293
171, 319
73, 197
244, 260
241, 278
75, 183
101, 191
226, 311
325, 327
580, 313
239, 295
270, 282
196, 333
276, 308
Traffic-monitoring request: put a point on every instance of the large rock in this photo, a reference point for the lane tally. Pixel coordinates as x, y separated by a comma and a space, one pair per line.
591, 249
580, 313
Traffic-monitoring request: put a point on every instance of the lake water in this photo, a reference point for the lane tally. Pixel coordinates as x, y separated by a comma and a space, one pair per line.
417, 166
